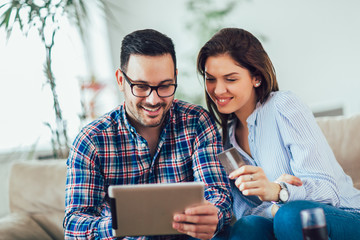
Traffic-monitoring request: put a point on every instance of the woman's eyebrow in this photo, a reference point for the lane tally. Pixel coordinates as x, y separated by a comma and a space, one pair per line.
230, 74
206, 73
226, 75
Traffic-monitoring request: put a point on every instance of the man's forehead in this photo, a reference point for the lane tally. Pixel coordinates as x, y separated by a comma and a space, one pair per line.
139, 58
143, 67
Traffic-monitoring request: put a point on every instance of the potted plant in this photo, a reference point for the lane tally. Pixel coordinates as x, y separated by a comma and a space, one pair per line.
45, 17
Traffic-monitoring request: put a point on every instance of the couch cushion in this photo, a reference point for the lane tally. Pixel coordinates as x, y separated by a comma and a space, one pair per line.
52, 222
37, 186
343, 136
20, 226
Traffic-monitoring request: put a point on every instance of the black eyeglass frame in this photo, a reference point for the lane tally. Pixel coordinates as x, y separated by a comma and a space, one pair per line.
127, 79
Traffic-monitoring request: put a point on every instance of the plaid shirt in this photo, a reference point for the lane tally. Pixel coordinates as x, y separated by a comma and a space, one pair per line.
109, 151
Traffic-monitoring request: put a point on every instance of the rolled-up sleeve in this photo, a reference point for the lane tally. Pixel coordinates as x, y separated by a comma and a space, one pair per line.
84, 199
207, 168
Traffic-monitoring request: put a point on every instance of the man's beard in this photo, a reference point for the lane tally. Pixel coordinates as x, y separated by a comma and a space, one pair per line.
148, 106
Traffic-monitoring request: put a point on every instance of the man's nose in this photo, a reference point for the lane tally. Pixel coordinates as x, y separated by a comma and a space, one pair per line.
153, 98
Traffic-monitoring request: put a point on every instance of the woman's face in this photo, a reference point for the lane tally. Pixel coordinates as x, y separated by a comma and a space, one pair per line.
231, 87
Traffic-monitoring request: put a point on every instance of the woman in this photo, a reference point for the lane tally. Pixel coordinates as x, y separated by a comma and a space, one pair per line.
276, 133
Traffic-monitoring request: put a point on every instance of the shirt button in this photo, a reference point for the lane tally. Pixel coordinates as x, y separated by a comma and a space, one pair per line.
143, 145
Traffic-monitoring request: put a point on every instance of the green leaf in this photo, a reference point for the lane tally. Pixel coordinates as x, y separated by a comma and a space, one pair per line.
6, 19
3, 5
17, 16
83, 8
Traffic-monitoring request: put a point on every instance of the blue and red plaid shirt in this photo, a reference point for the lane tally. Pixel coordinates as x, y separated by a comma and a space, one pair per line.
109, 151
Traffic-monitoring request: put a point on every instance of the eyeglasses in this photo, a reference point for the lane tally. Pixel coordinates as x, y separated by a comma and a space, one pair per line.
144, 90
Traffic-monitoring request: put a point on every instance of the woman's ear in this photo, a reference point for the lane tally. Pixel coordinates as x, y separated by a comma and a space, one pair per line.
119, 79
257, 81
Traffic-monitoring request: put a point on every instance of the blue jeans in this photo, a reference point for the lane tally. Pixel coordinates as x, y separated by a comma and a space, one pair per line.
342, 225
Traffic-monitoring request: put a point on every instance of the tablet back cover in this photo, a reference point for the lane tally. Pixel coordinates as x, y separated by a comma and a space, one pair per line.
148, 209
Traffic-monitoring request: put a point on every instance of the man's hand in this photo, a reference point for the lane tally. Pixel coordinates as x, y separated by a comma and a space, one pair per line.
199, 221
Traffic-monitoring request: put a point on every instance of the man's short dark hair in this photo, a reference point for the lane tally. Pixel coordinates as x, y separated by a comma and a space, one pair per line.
146, 42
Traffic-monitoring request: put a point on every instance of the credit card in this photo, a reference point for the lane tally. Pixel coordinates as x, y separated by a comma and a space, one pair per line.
231, 160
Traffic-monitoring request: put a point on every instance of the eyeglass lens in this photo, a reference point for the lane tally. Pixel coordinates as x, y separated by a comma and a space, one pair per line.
142, 90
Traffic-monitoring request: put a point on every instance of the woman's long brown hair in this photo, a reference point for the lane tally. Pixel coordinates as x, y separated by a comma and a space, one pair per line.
248, 52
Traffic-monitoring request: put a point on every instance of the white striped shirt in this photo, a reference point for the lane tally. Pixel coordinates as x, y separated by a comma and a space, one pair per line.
285, 138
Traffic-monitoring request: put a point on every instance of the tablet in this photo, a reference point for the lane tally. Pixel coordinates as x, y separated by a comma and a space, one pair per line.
148, 209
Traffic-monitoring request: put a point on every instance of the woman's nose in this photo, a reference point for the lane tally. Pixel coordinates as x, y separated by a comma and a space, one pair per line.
220, 88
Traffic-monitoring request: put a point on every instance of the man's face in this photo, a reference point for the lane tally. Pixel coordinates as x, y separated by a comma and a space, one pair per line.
147, 111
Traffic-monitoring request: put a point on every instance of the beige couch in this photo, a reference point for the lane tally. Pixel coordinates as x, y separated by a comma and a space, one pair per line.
343, 136
37, 195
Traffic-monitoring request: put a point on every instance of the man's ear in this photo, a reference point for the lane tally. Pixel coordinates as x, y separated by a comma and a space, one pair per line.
119, 79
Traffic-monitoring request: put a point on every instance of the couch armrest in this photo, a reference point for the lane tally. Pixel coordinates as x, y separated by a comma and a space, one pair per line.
37, 186
21, 226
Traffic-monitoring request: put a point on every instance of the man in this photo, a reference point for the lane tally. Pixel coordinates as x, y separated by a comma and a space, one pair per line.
150, 138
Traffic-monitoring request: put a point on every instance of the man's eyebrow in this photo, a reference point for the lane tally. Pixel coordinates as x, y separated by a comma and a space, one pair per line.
147, 83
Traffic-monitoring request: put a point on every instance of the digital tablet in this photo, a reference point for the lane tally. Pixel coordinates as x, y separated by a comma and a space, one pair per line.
148, 209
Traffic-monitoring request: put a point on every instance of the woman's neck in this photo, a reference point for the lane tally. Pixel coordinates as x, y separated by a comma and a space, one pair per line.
243, 113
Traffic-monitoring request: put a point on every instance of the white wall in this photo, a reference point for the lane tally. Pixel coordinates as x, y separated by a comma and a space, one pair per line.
314, 45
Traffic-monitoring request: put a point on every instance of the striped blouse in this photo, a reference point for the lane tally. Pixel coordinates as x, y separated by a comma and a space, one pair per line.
285, 138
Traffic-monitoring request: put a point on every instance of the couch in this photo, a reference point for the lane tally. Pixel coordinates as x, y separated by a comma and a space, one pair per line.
36, 188
36, 200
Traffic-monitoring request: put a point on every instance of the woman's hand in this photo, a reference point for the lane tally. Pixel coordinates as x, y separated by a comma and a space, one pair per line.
290, 179
251, 180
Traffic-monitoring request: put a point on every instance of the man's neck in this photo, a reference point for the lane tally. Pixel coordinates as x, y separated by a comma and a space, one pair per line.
151, 135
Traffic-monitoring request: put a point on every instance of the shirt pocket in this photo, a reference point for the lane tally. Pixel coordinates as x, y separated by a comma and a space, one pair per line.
177, 168
127, 170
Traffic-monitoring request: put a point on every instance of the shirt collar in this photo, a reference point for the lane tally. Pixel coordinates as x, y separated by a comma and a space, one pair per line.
251, 120
124, 118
